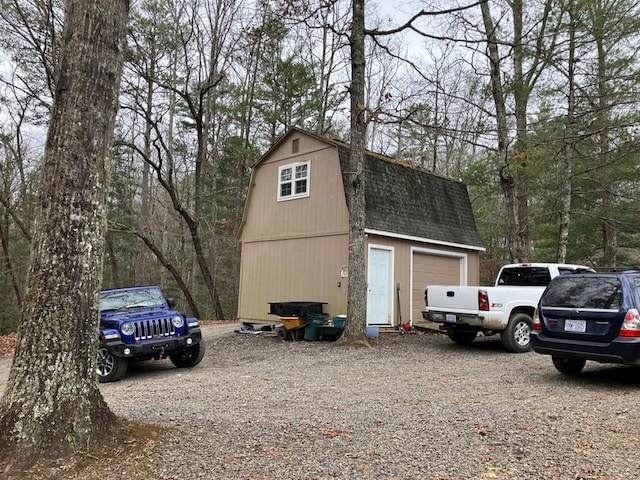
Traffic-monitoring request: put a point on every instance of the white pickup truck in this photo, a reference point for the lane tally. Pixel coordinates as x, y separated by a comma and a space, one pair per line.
506, 308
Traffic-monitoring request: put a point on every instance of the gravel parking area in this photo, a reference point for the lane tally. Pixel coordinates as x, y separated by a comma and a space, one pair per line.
413, 407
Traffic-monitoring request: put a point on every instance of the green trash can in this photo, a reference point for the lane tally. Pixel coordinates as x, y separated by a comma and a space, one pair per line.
314, 320
339, 321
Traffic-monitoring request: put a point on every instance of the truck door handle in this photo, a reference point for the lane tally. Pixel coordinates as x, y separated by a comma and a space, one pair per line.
451, 294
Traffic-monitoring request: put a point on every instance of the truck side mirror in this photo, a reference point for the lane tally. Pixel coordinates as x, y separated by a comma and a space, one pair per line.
171, 302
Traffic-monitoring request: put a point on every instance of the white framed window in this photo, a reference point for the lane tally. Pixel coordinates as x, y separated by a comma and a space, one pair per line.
293, 181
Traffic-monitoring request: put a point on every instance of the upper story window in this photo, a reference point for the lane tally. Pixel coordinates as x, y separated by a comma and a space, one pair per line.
293, 181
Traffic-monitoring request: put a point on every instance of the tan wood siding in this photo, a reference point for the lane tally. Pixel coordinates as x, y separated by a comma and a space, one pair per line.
266, 218
294, 250
303, 269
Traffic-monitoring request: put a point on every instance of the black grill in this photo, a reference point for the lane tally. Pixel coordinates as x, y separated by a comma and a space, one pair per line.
154, 328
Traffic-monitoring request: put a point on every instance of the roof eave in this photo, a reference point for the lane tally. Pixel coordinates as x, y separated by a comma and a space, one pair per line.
411, 238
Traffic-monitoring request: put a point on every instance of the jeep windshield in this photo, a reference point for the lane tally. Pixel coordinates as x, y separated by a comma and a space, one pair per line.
140, 297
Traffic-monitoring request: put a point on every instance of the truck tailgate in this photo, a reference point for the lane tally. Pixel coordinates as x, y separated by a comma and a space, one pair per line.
452, 298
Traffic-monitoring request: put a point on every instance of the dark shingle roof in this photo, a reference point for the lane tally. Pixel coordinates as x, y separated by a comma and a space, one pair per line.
406, 200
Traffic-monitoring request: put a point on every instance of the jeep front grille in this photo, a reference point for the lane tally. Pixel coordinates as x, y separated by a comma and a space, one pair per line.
154, 328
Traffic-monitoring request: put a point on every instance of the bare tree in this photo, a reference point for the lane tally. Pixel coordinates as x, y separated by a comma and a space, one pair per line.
569, 139
15, 208
52, 405
182, 59
31, 32
357, 294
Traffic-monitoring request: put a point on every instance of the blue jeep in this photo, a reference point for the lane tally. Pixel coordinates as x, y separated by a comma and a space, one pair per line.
140, 323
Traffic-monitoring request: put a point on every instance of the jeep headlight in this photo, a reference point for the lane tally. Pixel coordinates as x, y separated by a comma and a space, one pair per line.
127, 329
177, 321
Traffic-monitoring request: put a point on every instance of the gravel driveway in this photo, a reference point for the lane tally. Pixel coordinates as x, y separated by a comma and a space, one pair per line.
414, 407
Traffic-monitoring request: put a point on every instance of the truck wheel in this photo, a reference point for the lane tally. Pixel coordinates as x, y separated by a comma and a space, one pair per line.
110, 368
568, 366
516, 338
461, 337
190, 357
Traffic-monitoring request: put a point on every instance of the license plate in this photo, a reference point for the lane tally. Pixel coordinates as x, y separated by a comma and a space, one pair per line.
450, 317
579, 326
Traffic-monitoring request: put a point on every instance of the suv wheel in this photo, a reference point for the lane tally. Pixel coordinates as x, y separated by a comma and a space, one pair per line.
568, 366
516, 338
190, 357
461, 337
110, 368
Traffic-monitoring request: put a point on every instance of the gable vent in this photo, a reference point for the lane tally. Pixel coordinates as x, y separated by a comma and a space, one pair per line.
295, 145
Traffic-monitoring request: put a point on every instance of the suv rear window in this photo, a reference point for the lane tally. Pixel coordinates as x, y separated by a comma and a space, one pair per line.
583, 292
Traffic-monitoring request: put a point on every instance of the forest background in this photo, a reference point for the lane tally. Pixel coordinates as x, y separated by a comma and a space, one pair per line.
534, 107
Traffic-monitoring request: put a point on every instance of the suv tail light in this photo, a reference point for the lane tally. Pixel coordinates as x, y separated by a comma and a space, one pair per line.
483, 300
537, 324
426, 302
631, 324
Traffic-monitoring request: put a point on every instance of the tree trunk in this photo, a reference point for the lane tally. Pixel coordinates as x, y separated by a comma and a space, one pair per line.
529, 60
610, 230
507, 181
114, 261
603, 121
139, 273
521, 93
569, 142
52, 405
357, 294
6, 252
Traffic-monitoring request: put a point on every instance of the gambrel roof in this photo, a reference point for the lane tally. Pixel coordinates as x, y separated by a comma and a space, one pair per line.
409, 201
404, 200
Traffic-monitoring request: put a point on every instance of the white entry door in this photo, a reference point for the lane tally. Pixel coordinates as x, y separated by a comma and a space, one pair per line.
379, 294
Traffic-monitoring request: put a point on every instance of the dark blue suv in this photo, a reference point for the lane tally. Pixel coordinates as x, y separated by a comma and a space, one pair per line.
591, 316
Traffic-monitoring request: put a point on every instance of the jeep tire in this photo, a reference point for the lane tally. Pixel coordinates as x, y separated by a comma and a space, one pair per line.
189, 357
110, 368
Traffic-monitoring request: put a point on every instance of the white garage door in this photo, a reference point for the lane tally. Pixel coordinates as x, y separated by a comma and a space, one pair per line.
430, 269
